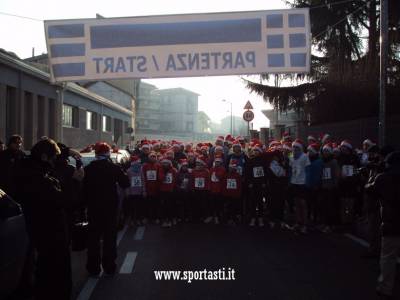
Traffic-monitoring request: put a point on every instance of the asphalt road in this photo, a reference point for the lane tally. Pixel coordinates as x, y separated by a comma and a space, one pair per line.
269, 264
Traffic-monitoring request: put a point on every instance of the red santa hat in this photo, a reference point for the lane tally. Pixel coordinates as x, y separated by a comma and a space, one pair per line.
236, 143
135, 158
368, 143
314, 148
201, 160
166, 160
298, 143
274, 144
347, 144
218, 157
220, 138
233, 163
311, 138
258, 148
286, 136
324, 138
287, 146
183, 162
328, 148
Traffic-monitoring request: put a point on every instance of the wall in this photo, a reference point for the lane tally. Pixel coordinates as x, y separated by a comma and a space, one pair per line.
357, 130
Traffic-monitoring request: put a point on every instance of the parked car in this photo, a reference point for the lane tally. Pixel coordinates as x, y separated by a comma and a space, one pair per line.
14, 244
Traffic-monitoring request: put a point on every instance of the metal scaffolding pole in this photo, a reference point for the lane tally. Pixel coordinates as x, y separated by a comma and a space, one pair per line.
384, 11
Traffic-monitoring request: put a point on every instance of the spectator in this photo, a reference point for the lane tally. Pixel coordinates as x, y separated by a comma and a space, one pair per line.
386, 187
43, 205
100, 191
9, 161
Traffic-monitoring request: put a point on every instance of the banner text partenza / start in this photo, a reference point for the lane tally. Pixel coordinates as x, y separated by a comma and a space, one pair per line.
177, 62
237, 43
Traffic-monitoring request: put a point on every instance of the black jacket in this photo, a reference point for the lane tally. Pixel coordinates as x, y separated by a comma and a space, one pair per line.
40, 196
387, 188
9, 162
100, 187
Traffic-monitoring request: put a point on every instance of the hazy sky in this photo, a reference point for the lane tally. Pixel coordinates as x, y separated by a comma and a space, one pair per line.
21, 35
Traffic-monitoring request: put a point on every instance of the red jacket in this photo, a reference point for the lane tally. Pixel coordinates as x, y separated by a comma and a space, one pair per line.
217, 175
167, 179
232, 185
150, 178
200, 180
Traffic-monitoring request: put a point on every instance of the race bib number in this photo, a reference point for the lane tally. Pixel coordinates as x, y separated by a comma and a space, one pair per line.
296, 171
258, 172
151, 175
231, 184
199, 183
184, 183
214, 178
136, 181
326, 174
168, 178
347, 170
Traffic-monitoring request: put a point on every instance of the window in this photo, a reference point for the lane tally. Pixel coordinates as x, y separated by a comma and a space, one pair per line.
70, 114
91, 120
67, 115
106, 124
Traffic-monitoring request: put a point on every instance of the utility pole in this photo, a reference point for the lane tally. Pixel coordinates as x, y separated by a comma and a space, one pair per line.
384, 23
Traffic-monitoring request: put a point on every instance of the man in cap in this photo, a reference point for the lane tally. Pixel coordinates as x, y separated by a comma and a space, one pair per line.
101, 195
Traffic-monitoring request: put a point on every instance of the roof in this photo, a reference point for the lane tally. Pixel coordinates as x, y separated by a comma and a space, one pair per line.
178, 90
13, 62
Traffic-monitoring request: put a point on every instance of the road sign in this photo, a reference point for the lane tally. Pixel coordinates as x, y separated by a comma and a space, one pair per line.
248, 105
248, 116
252, 42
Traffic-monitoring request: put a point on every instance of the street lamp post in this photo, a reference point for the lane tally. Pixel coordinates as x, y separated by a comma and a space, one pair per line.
231, 115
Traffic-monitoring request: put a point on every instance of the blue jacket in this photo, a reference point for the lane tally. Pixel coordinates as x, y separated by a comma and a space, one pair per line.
314, 173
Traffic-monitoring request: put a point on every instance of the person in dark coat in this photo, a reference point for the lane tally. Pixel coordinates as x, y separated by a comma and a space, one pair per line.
9, 161
386, 187
40, 196
70, 178
100, 193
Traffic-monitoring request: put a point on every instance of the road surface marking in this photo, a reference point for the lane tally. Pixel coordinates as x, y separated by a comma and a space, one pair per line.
121, 234
91, 283
139, 233
357, 240
128, 264
88, 289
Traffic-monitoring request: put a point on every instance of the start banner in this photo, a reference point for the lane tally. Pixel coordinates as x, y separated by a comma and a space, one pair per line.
273, 41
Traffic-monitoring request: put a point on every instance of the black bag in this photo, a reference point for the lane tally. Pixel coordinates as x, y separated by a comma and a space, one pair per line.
79, 236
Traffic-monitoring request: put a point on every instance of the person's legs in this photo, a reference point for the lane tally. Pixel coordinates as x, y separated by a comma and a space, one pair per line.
109, 244
390, 248
93, 247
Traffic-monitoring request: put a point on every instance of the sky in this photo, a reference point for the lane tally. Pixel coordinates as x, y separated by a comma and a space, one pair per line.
20, 35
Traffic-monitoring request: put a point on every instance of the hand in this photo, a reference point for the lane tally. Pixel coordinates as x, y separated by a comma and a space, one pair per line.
75, 154
78, 174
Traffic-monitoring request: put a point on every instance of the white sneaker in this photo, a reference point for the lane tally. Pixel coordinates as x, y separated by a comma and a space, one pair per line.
260, 222
157, 221
252, 222
174, 222
169, 224
216, 221
164, 224
208, 220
